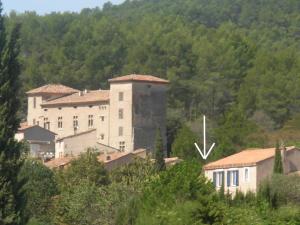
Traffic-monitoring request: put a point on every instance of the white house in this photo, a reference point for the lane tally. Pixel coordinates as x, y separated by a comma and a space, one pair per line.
245, 170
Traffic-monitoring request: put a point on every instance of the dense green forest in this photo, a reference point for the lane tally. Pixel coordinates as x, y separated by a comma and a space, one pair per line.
236, 61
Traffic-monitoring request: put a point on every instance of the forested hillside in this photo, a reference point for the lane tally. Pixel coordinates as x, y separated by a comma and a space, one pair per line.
236, 61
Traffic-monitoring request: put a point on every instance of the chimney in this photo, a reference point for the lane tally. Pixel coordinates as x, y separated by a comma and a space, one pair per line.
85, 91
80, 93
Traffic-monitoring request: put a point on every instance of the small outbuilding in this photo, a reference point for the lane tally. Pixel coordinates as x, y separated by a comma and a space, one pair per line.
41, 141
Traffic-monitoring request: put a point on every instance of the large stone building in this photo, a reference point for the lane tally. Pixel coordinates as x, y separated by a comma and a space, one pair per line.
125, 117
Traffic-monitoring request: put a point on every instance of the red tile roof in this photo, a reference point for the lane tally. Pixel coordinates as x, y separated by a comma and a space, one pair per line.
139, 78
24, 126
248, 157
53, 89
64, 161
59, 162
80, 98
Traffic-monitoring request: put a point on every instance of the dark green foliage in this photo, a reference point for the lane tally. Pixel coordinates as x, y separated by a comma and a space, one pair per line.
11, 195
183, 146
280, 190
133, 174
85, 168
159, 153
82, 205
278, 167
235, 61
173, 125
180, 195
216, 53
39, 189
233, 132
128, 213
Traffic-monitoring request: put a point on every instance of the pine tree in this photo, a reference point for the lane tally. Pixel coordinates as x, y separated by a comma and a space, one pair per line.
159, 153
11, 196
278, 168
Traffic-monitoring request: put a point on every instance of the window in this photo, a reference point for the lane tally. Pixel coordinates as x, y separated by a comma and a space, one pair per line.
46, 123
102, 136
120, 131
218, 178
75, 122
121, 96
122, 146
34, 102
121, 113
91, 121
247, 174
232, 178
102, 118
59, 122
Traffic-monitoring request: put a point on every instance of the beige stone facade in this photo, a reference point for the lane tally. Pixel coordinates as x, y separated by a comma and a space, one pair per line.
125, 117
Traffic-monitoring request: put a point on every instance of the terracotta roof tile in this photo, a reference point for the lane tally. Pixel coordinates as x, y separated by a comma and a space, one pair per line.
80, 98
248, 157
24, 126
56, 163
53, 89
116, 155
112, 156
140, 78
64, 161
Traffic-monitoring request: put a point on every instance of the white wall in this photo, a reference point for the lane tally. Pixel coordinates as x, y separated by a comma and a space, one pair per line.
74, 145
244, 185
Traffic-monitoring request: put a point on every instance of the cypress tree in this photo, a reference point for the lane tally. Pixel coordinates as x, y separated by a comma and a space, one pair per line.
159, 153
278, 168
11, 196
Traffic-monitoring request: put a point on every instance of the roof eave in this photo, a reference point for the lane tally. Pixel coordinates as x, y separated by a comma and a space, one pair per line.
229, 166
138, 81
73, 103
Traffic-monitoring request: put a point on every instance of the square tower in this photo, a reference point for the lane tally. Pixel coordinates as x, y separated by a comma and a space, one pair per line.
137, 111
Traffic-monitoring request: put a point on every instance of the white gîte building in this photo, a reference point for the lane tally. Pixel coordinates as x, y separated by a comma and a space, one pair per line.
244, 171
125, 117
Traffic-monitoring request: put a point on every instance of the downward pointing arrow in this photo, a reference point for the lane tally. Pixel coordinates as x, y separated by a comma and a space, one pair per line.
204, 154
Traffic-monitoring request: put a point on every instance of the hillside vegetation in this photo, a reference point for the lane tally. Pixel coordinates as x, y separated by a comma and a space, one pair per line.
236, 61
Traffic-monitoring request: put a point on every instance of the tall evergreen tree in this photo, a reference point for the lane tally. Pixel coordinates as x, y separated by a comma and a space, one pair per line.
183, 146
11, 196
278, 168
159, 152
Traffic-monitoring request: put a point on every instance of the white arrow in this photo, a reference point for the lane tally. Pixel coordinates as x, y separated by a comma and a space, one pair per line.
204, 154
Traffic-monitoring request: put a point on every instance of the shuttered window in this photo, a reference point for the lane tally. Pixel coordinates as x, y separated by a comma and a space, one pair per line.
232, 178
218, 178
